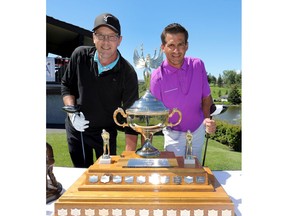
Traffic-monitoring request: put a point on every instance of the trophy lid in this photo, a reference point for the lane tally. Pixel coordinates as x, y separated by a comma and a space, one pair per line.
147, 105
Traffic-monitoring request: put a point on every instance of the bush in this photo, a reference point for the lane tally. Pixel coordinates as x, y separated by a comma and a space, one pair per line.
228, 134
234, 137
220, 134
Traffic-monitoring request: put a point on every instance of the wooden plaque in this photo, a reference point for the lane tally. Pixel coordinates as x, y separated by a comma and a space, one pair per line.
115, 189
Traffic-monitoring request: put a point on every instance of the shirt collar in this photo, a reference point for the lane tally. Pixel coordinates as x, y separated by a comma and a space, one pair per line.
171, 69
102, 68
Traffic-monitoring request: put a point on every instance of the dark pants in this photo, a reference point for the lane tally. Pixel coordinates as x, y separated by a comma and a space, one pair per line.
92, 140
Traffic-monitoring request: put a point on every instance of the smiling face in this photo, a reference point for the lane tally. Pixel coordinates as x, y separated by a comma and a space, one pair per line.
175, 49
107, 48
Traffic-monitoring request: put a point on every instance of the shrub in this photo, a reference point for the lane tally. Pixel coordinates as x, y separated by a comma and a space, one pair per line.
234, 137
228, 134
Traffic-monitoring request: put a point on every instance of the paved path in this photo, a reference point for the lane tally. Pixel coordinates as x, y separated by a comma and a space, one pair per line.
55, 130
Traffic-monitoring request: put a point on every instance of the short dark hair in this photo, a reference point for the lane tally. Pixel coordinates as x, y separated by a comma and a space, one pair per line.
174, 28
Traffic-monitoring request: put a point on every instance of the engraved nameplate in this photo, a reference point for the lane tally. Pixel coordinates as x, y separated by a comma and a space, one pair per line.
200, 179
117, 179
151, 162
93, 179
105, 179
164, 179
141, 179
177, 179
188, 179
129, 179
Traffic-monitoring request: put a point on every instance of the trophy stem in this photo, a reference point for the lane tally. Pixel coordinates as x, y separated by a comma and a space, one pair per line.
148, 150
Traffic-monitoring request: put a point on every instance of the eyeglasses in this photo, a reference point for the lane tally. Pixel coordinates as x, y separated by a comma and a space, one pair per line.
107, 37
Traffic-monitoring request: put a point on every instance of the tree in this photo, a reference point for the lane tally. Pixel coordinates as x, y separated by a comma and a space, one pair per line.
239, 79
214, 80
229, 77
234, 96
220, 81
211, 79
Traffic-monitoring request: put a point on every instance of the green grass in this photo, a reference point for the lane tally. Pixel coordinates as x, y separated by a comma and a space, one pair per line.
218, 157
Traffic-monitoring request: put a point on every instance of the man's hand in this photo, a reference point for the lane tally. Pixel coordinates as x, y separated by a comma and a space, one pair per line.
78, 121
210, 125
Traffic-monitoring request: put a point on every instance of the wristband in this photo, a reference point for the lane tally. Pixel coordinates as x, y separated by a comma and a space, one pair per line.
71, 108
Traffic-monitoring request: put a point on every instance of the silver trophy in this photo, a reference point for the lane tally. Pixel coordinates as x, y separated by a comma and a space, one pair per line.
147, 115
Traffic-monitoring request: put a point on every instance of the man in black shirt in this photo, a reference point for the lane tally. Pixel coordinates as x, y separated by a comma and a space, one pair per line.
96, 82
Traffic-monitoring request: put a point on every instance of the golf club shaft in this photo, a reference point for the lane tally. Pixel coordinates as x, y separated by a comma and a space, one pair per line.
214, 110
206, 144
75, 109
83, 150
205, 150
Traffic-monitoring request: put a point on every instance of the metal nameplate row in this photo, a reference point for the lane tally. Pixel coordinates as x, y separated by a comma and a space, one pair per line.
147, 163
152, 179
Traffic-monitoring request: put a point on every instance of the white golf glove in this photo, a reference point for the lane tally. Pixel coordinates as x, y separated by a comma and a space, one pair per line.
78, 121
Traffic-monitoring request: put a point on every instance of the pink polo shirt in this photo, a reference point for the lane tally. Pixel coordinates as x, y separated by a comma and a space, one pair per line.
183, 89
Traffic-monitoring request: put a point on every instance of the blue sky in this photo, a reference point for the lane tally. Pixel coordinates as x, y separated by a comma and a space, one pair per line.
214, 26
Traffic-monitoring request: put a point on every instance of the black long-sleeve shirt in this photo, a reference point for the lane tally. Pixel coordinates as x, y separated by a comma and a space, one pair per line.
99, 95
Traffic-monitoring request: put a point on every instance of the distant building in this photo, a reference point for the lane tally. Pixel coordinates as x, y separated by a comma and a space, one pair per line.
224, 98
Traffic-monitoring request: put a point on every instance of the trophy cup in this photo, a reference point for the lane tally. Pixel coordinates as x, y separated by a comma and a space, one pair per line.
105, 158
147, 115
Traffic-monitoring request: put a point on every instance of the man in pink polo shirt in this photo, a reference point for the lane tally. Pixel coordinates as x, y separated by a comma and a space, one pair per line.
181, 82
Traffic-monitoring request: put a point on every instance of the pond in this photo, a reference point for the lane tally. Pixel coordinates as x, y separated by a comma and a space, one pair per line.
232, 115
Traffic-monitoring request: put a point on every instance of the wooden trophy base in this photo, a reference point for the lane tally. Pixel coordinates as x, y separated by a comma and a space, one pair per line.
162, 186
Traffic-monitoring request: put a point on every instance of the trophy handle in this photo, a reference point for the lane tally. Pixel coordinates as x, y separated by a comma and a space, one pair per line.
120, 110
171, 114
